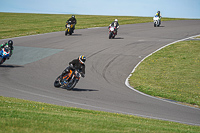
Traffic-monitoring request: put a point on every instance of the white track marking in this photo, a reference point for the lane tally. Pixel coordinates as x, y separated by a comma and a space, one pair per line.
128, 85
105, 109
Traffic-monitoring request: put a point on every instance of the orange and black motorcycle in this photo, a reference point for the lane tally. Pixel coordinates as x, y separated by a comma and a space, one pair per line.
69, 80
69, 28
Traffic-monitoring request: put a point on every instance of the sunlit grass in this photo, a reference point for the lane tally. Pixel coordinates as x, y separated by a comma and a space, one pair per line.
21, 116
172, 73
23, 24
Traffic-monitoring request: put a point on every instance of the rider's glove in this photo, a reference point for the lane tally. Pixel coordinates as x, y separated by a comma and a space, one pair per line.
71, 66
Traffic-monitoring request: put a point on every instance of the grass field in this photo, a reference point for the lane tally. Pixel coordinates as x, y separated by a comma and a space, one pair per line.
20, 116
22, 24
171, 73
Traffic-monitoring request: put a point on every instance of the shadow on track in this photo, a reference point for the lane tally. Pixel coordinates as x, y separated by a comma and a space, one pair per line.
10, 66
75, 35
77, 89
161, 26
118, 38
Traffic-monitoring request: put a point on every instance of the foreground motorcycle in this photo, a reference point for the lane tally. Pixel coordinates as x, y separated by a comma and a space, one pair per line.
112, 32
69, 80
4, 54
69, 28
156, 20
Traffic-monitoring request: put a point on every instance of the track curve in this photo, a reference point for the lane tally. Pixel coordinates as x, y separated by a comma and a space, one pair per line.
37, 60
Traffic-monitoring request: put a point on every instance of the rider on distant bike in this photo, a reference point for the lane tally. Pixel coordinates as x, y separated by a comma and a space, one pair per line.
10, 45
75, 65
159, 15
73, 21
114, 24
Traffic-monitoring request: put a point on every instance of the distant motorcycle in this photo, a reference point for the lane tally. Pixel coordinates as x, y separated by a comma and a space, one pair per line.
112, 32
69, 80
156, 20
4, 54
69, 28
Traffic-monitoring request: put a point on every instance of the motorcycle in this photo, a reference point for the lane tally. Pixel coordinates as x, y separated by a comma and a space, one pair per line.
4, 54
112, 32
156, 20
69, 80
69, 28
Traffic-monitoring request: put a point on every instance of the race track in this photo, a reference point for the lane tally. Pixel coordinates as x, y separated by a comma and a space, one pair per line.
39, 59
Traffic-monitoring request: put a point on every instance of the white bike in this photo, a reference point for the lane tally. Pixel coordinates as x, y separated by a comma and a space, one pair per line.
157, 21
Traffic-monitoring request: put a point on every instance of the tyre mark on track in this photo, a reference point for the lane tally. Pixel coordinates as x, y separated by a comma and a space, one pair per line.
97, 52
106, 67
93, 68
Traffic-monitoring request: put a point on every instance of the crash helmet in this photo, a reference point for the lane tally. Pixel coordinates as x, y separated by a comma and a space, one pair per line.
116, 20
10, 43
158, 12
73, 16
82, 59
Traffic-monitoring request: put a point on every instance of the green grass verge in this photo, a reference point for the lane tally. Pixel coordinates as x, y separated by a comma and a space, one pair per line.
171, 73
23, 24
197, 37
20, 116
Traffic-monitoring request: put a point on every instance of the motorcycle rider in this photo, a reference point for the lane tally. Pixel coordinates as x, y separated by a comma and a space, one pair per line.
76, 64
10, 45
159, 15
73, 21
114, 24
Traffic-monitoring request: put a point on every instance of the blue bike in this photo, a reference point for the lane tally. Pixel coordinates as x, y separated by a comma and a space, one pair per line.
4, 54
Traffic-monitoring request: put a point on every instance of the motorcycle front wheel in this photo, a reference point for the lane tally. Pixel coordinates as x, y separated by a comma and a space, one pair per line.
66, 32
57, 82
2, 60
110, 35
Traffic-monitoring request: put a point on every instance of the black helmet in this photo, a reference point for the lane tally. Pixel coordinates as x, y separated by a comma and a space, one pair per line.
73, 16
10, 43
82, 59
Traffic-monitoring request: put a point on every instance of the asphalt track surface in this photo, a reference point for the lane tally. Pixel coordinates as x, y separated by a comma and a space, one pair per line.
37, 61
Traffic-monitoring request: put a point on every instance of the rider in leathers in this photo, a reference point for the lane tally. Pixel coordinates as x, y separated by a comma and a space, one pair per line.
159, 15
9, 44
76, 64
73, 21
114, 24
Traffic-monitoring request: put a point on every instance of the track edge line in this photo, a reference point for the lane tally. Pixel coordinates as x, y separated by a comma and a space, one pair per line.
130, 87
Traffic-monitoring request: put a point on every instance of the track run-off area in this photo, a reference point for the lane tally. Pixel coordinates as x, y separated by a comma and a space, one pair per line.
37, 60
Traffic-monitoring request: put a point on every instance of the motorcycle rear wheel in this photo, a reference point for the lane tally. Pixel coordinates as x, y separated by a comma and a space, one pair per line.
71, 86
70, 31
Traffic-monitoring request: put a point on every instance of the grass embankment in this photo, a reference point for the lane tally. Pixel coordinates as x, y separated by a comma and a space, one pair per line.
20, 116
23, 24
171, 73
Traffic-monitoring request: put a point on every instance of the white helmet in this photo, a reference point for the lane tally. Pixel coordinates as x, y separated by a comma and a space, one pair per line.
116, 20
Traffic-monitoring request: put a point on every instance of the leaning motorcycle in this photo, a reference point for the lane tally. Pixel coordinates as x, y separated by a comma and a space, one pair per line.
112, 32
4, 54
69, 28
156, 20
69, 80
